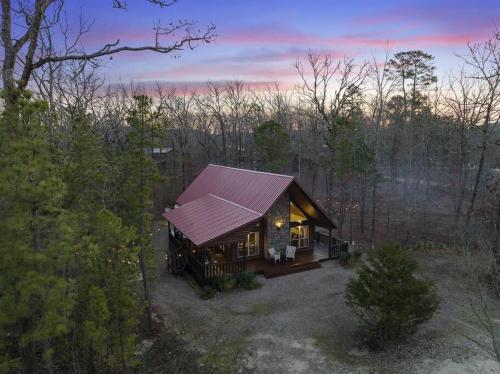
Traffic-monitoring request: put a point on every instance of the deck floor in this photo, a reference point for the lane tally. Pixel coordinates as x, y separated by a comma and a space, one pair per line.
303, 261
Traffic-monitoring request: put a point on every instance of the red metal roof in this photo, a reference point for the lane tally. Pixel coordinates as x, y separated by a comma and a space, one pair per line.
253, 190
222, 199
209, 217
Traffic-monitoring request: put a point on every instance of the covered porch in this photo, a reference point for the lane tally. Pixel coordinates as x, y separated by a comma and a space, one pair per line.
218, 265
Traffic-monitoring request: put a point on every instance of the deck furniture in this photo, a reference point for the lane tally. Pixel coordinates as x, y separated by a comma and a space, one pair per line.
275, 255
290, 252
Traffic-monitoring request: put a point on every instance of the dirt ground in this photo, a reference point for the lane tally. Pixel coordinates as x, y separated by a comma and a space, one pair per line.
299, 323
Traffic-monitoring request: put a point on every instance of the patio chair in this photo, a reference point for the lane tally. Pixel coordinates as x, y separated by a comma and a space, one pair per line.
276, 256
290, 252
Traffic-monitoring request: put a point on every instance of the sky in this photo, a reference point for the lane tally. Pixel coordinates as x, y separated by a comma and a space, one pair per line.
258, 41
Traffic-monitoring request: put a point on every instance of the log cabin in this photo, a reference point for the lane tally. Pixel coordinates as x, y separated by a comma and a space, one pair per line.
230, 220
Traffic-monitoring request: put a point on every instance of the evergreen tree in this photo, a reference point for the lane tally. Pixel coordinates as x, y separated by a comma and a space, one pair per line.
414, 72
139, 173
85, 172
105, 264
106, 322
273, 144
36, 236
388, 297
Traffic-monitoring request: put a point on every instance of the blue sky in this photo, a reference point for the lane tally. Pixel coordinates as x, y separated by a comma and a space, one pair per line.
258, 41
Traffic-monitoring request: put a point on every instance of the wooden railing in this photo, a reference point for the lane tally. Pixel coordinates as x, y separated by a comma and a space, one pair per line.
338, 247
214, 270
175, 259
211, 270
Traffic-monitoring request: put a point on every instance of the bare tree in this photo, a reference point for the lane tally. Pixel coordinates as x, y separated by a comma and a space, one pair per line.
464, 104
330, 96
482, 292
484, 61
178, 110
34, 48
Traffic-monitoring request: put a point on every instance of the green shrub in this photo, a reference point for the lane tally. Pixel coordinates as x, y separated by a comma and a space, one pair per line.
422, 246
224, 282
345, 258
207, 293
388, 297
349, 258
248, 281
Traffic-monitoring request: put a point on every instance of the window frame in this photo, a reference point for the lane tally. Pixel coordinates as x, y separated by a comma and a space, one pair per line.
303, 236
246, 246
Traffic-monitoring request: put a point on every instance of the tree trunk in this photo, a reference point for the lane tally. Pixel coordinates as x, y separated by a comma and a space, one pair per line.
477, 180
362, 205
140, 233
374, 205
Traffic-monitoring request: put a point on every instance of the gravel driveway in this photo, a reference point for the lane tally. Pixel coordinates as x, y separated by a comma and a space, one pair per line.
299, 324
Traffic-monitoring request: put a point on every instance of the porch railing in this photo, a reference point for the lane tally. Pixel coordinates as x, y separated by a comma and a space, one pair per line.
175, 259
337, 246
212, 270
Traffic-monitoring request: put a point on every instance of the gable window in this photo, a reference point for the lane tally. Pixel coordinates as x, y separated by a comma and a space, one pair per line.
250, 247
296, 215
299, 236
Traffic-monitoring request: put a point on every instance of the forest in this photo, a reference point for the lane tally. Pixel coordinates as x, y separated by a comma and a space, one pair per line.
392, 151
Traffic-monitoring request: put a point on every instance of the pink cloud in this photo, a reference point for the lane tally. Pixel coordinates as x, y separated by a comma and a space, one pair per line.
438, 16
378, 39
269, 55
201, 87
220, 70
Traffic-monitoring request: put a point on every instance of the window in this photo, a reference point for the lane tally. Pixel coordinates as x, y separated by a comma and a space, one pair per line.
250, 247
296, 215
299, 236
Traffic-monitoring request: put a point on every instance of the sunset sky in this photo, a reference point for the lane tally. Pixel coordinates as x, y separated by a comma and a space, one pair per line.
258, 41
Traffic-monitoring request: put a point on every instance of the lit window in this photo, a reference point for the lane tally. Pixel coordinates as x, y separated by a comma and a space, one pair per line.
299, 236
250, 247
296, 215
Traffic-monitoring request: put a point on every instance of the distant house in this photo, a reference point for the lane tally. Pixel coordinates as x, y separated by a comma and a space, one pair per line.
229, 220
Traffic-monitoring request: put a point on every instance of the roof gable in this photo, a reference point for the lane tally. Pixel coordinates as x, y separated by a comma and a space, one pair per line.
250, 189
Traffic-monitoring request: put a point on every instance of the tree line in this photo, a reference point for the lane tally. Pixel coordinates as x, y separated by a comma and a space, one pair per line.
375, 142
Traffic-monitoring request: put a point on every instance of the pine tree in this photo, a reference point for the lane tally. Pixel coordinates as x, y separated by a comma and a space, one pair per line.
388, 297
85, 172
273, 144
105, 320
36, 236
139, 173
108, 309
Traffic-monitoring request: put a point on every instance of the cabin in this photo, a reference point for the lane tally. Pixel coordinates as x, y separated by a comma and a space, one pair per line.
230, 220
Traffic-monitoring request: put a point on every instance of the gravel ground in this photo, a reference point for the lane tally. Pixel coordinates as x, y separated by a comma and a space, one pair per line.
299, 324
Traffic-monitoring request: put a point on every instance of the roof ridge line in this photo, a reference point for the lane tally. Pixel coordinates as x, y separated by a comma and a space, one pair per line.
253, 171
238, 205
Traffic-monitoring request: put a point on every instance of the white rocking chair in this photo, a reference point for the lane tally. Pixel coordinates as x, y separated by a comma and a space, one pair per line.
290, 252
276, 256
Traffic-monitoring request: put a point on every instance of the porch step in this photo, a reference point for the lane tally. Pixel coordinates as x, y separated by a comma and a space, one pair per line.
279, 271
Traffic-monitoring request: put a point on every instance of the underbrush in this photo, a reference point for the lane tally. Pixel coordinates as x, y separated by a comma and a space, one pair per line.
166, 351
350, 258
226, 282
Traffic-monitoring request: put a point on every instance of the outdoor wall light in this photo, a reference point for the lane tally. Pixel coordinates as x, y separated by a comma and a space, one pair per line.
278, 224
